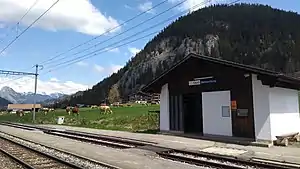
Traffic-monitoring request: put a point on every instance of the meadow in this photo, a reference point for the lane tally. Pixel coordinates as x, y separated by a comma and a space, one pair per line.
134, 119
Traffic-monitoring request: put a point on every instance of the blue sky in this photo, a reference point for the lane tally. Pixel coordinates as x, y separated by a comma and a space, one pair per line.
72, 22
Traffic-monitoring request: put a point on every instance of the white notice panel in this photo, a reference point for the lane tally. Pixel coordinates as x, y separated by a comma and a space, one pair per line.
216, 113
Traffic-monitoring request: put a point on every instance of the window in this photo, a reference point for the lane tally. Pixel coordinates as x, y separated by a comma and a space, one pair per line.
225, 111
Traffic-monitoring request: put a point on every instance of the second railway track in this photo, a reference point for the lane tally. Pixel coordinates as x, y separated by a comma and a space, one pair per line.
196, 158
98, 139
34, 156
31, 158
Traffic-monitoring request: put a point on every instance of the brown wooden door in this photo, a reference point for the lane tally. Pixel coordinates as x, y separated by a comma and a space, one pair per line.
242, 125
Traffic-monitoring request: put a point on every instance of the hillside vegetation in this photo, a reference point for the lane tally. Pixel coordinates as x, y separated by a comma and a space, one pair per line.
134, 119
250, 34
4, 102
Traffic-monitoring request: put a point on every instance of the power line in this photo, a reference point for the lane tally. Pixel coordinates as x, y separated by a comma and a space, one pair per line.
109, 30
127, 30
17, 37
108, 47
63, 66
35, 2
83, 57
129, 37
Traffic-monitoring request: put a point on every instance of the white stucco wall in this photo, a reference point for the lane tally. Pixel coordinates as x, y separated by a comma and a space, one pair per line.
276, 110
284, 111
261, 107
213, 122
164, 109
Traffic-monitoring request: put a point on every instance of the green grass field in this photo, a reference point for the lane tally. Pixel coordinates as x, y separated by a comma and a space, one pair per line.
134, 119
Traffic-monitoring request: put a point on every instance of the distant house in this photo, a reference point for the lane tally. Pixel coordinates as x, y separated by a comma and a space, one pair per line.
24, 107
139, 96
81, 105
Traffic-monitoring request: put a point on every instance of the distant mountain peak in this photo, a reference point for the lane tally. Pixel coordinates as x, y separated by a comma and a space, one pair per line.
26, 97
7, 89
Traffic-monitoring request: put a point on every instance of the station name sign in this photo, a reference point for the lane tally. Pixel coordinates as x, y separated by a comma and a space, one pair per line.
202, 80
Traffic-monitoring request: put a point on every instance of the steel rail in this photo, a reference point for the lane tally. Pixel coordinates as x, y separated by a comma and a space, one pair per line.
110, 141
64, 152
19, 161
167, 153
23, 148
222, 159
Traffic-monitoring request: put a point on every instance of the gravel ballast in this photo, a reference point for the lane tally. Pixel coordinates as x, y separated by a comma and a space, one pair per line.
213, 160
66, 157
8, 163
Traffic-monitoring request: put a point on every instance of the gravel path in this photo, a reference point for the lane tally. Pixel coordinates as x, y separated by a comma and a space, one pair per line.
7, 163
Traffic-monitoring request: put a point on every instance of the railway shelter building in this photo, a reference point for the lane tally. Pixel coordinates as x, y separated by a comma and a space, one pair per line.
210, 96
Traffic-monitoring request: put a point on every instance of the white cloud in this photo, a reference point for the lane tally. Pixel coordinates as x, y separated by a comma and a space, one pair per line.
98, 68
114, 68
26, 84
127, 6
146, 6
75, 15
133, 50
115, 50
194, 5
53, 79
81, 63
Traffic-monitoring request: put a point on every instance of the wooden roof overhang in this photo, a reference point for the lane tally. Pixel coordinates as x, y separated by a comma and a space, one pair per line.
270, 78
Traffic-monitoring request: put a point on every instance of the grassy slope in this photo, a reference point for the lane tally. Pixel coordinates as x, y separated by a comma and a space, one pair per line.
134, 118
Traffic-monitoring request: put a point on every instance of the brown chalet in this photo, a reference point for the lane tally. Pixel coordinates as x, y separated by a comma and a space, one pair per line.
24, 107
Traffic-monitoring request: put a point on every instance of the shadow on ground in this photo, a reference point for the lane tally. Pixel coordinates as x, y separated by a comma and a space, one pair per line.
148, 131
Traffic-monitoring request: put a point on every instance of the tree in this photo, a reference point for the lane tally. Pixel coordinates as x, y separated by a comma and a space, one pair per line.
257, 36
113, 94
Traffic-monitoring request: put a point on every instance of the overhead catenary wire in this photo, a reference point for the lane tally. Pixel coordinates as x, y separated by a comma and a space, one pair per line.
127, 30
63, 66
75, 61
108, 47
20, 20
70, 62
108, 31
17, 37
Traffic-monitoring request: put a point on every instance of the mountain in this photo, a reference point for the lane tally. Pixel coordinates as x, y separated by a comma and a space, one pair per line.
4, 102
251, 34
15, 97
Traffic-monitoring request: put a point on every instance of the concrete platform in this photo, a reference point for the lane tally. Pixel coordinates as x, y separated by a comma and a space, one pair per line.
286, 154
125, 159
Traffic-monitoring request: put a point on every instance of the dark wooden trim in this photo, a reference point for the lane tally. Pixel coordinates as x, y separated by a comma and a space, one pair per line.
252, 107
155, 85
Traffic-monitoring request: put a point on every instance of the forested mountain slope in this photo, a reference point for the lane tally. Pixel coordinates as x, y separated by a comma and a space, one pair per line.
250, 34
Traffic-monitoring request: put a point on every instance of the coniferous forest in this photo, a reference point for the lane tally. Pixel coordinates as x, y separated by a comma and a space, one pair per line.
251, 34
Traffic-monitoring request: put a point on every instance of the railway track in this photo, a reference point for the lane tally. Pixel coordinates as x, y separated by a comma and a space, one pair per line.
31, 158
221, 161
35, 156
196, 158
109, 141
